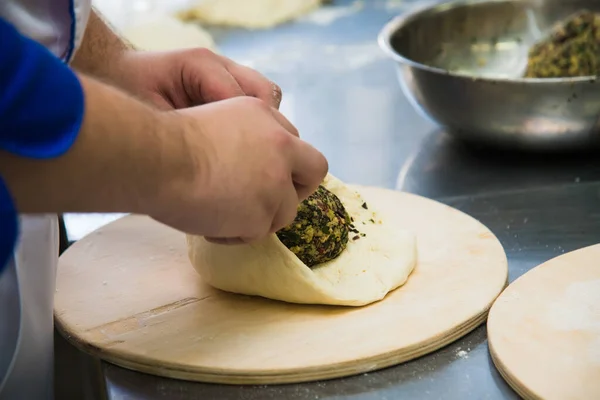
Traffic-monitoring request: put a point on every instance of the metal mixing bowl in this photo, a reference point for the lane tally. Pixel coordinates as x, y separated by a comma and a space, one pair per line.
461, 64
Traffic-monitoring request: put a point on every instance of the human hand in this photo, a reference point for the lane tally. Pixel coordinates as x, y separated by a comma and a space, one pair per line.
249, 171
191, 77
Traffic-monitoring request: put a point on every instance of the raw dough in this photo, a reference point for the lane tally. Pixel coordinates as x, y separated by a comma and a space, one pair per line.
251, 14
163, 33
365, 272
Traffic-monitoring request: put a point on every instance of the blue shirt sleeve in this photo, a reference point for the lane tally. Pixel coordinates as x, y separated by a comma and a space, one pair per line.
41, 112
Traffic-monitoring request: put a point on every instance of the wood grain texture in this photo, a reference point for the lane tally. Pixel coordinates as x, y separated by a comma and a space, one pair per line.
544, 329
128, 294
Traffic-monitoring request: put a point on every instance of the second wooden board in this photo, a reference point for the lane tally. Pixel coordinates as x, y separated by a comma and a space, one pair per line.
128, 294
544, 330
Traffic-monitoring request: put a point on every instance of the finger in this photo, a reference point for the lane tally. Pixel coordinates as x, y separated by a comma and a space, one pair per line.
287, 211
237, 240
214, 84
277, 95
225, 241
160, 102
309, 167
303, 191
257, 227
283, 121
254, 83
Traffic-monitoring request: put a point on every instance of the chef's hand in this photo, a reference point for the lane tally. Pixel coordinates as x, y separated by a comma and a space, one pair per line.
250, 172
191, 77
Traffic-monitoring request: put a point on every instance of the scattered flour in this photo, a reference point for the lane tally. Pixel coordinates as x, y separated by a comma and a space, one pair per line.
463, 354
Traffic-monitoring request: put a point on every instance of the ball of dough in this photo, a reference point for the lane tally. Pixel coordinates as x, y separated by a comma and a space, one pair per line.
320, 230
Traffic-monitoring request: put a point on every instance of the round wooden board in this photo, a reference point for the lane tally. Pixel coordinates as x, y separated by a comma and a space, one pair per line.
544, 330
128, 294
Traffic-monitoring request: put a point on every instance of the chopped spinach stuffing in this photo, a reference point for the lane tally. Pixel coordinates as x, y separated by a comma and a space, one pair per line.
572, 49
321, 228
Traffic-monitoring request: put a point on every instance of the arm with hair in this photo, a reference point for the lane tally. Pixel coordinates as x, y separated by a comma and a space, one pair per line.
101, 50
58, 150
168, 79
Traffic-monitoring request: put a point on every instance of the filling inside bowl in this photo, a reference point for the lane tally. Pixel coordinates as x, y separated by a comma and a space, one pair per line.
572, 49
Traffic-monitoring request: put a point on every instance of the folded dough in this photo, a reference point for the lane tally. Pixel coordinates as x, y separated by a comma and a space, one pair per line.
369, 268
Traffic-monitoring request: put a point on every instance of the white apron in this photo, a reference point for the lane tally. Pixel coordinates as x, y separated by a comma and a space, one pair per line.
27, 284
30, 286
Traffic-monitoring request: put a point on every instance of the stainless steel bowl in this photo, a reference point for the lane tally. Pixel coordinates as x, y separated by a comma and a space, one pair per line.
461, 64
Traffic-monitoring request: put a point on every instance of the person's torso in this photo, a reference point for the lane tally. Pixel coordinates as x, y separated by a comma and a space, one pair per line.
57, 24
27, 285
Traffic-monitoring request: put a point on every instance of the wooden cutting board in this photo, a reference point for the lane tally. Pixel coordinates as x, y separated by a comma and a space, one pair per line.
128, 294
544, 330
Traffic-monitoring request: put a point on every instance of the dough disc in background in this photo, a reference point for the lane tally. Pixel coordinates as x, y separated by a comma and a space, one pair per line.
250, 14
544, 330
128, 294
164, 33
366, 270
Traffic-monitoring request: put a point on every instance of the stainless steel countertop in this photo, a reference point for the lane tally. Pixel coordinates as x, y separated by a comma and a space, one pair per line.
342, 94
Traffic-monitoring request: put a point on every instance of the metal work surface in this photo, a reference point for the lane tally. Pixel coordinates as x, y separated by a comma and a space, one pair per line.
342, 93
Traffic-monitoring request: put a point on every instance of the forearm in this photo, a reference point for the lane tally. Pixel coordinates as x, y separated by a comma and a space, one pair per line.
116, 163
69, 144
101, 50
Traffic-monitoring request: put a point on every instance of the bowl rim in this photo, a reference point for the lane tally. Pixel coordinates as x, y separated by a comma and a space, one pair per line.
401, 21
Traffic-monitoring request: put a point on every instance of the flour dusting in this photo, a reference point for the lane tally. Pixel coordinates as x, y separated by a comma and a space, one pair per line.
462, 353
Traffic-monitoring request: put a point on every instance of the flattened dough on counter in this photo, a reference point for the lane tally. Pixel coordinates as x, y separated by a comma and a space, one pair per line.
363, 273
251, 14
164, 33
